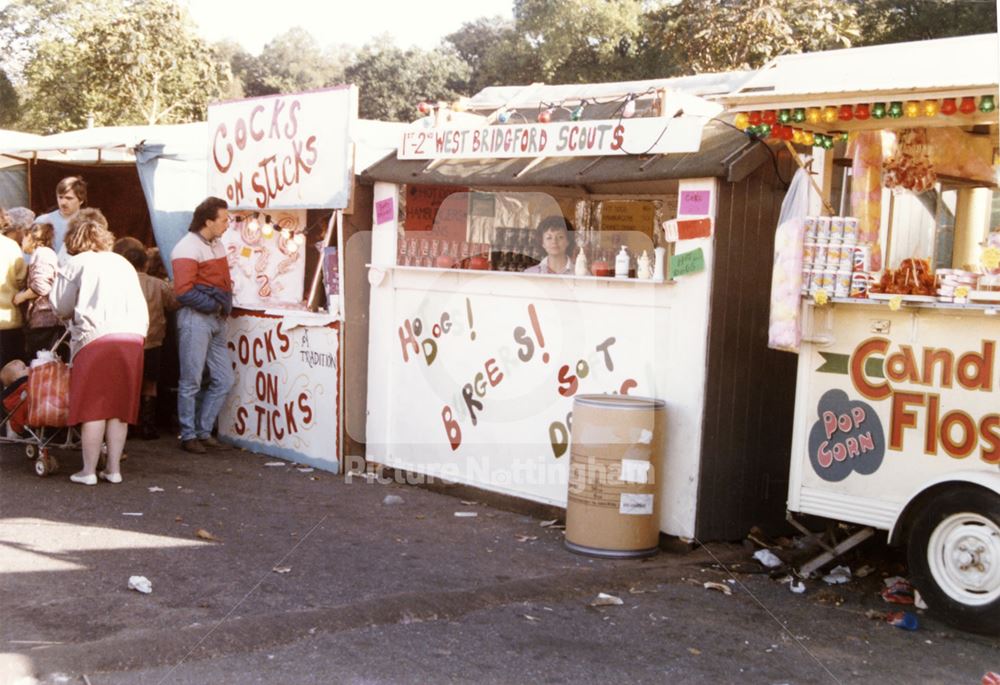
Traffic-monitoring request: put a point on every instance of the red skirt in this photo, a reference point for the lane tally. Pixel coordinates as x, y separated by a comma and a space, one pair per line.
106, 379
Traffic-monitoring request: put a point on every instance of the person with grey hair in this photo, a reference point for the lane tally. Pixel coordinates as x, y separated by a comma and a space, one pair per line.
21, 219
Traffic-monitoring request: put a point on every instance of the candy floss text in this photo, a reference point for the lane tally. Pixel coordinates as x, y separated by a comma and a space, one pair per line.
266, 176
924, 414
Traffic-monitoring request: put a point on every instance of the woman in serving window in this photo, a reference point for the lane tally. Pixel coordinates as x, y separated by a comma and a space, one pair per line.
553, 234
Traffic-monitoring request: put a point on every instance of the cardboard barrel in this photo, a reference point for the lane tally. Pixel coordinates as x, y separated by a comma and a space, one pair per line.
615, 451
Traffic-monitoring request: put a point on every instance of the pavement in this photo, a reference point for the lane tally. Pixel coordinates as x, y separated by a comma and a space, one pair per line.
278, 574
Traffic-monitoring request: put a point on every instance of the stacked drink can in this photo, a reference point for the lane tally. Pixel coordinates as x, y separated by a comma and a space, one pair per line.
832, 259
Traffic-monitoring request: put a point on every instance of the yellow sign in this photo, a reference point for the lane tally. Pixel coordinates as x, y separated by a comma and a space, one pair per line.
628, 216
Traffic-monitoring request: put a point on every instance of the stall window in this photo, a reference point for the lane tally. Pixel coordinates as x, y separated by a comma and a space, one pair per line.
457, 227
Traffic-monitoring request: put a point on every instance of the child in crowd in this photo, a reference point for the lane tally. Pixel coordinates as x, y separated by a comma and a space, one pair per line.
14, 397
159, 299
43, 328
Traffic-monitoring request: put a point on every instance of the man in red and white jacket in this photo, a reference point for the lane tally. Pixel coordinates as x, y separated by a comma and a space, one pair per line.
205, 292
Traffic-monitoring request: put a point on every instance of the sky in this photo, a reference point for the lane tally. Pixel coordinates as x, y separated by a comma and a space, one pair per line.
253, 23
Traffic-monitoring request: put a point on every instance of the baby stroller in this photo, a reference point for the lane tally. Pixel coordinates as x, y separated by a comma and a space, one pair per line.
35, 409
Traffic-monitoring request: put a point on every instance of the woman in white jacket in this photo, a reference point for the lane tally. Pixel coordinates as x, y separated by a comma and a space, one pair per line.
99, 292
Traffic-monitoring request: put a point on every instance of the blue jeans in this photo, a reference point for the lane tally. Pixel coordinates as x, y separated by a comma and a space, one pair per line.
201, 342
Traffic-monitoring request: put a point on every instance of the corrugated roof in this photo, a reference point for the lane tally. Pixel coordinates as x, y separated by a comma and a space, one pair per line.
721, 147
529, 96
945, 64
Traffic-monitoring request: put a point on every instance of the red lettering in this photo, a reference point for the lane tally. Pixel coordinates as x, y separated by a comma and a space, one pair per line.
618, 137
223, 167
241, 420
292, 127
493, 372
902, 417
568, 380
964, 447
829, 423
451, 427
285, 343
290, 417
989, 427
305, 408
406, 339
627, 384
859, 359
256, 133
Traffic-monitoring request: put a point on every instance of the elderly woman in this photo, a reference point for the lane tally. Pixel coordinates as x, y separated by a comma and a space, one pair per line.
99, 292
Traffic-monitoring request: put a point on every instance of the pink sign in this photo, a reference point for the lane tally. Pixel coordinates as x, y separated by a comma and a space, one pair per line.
694, 202
383, 211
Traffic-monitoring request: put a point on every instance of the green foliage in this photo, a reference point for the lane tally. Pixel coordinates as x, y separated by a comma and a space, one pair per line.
10, 106
120, 62
392, 80
720, 35
290, 63
893, 21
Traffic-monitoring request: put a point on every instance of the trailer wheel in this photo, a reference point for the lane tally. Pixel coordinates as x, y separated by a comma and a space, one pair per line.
954, 555
30, 451
40, 469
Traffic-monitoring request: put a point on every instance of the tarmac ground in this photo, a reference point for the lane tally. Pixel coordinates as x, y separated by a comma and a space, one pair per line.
278, 574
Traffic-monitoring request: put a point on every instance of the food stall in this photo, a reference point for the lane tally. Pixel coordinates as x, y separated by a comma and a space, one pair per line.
896, 266
285, 165
475, 362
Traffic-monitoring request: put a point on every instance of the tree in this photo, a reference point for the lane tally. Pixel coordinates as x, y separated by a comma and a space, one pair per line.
893, 21
9, 103
290, 63
120, 62
495, 53
391, 81
581, 40
694, 36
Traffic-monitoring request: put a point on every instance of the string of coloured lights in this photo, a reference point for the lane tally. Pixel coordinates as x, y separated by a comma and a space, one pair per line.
782, 124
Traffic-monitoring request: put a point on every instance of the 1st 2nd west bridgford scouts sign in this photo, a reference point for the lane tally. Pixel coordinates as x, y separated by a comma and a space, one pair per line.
654, 135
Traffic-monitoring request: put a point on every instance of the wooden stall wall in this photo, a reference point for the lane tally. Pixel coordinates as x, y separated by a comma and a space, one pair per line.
357, 292
750, 393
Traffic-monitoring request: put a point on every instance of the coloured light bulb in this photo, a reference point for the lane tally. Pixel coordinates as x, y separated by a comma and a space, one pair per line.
896, 110
628, 111
770, 117
845, 113
545, 116
808, 138
784, 116
986, 104
424, 107
504, 116
878, 110
912, 109
755, 118
862, 112
930, 108
813, 115
949, 106
798, 115
968, 105
741, 121
577, 113
829, 114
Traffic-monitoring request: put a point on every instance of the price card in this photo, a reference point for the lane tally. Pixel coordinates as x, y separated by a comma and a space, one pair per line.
687, 263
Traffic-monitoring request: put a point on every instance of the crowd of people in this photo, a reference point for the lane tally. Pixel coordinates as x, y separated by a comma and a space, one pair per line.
71, 291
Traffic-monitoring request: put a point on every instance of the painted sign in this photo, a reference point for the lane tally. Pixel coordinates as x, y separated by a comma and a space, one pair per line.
920, 406
694, 202
628, 216
486, 385
285, 400
266, 255
284, 151
654, 135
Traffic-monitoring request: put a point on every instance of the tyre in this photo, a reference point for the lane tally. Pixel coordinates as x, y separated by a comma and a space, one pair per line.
30, 451
40, 468
954, 555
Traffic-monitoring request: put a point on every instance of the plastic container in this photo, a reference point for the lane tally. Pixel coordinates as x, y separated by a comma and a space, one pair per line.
615, 453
